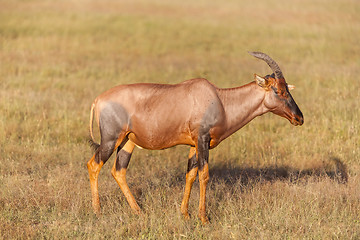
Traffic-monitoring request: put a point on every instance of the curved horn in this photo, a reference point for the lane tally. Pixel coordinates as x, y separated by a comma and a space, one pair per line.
272, 64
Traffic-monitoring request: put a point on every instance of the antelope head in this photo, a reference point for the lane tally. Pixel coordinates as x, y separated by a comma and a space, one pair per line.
278, 99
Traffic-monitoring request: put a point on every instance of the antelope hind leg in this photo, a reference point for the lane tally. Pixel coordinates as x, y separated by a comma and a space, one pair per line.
119, 172
94, 165
94, 170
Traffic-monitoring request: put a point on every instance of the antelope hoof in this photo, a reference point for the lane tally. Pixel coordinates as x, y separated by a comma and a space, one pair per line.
96, 209
185, 212
137, 210
186, 215
204, 220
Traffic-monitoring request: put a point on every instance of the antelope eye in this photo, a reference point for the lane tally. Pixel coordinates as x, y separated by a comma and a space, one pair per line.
281, 93
275, 90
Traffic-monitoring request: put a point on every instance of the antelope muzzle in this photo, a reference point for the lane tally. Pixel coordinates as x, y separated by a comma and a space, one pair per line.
296, 117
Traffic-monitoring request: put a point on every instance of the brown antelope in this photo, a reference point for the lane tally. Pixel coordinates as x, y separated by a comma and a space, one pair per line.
194, 113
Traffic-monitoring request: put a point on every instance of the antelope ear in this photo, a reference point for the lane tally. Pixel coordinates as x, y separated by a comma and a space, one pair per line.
290, 87
262, 82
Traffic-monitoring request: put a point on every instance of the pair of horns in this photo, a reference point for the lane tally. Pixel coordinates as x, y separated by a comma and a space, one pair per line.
272, 64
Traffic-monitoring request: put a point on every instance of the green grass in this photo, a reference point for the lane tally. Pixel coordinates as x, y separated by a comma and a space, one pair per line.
268, 181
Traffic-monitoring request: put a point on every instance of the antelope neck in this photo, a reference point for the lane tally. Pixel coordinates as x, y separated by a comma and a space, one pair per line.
241, 105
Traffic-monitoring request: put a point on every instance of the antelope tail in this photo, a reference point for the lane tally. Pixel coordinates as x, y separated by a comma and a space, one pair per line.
92, 142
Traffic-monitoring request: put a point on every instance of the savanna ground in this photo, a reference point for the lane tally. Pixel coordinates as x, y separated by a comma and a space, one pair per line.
270, 180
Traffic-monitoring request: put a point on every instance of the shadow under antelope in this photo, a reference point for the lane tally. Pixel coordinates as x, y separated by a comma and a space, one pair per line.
194, 113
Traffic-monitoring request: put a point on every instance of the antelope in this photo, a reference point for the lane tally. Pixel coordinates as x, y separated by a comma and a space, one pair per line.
194, 112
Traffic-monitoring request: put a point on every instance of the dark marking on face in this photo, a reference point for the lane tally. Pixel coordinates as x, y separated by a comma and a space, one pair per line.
295, 109
286, 97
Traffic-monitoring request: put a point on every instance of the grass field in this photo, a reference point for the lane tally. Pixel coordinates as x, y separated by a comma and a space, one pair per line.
270, 180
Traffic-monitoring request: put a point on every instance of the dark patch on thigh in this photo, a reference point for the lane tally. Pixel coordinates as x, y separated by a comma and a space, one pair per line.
113, 119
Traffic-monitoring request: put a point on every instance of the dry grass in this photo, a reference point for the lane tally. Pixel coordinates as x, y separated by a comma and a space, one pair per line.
268, 181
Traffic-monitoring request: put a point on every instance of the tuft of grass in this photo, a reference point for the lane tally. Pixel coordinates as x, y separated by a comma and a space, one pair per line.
269, 180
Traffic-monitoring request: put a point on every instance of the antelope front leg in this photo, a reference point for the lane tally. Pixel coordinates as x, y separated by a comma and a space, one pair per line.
203, 158
190, 178
203, 179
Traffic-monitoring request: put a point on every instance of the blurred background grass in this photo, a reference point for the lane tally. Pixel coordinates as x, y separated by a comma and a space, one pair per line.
269, 180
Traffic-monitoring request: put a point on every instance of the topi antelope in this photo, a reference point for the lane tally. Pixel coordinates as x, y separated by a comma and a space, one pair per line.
194, 113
